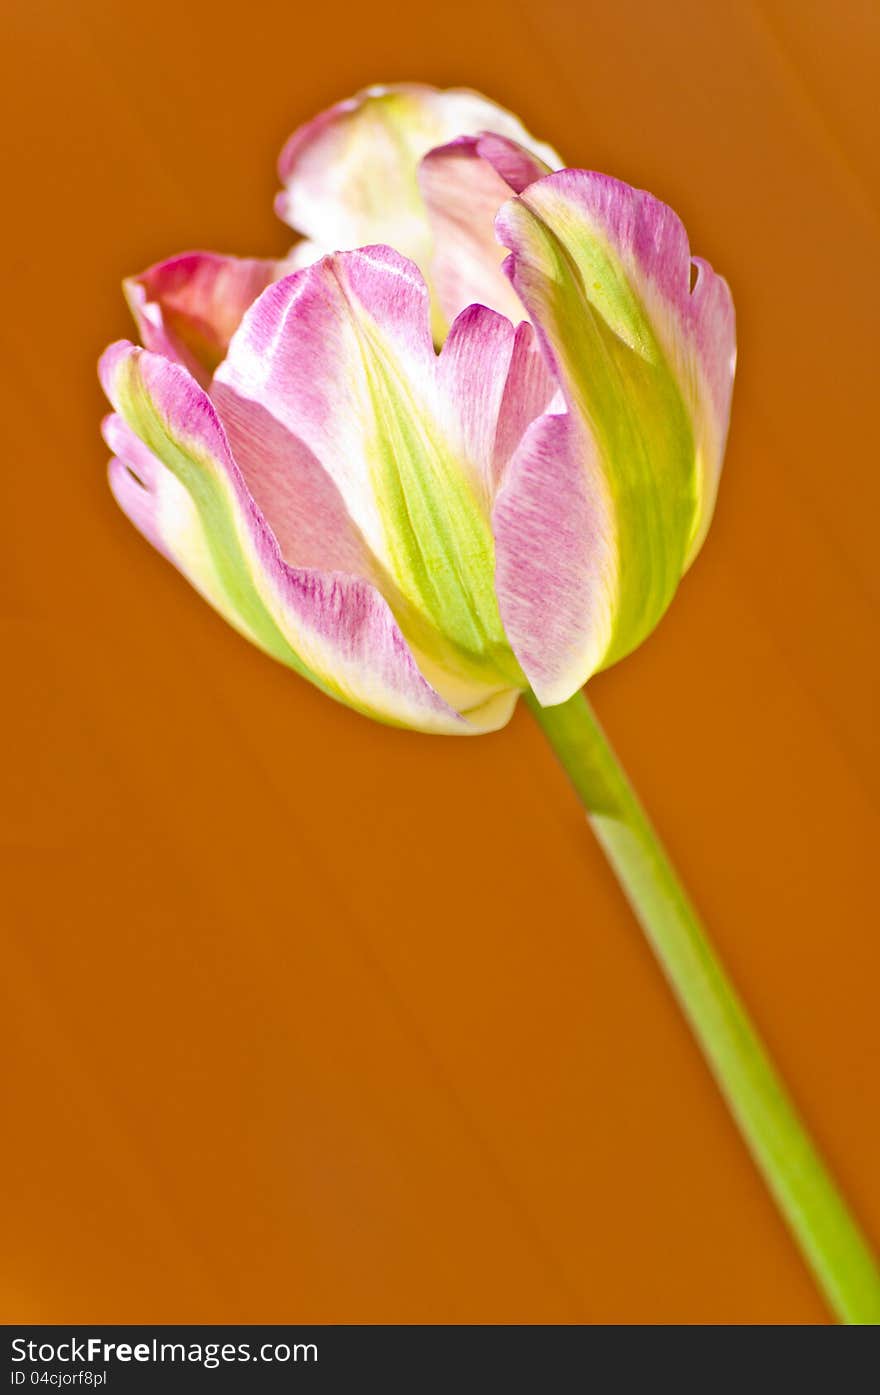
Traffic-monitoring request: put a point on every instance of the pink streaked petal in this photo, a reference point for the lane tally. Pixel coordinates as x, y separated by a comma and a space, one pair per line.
334, 629
555, 571
136, 479
159, 506
188, 307
518, 165
299, 357
494, 383
463, 184
140, 461
293, 491
694, 327
530, 391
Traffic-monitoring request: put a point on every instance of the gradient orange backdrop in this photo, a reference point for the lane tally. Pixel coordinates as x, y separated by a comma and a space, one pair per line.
312, 1020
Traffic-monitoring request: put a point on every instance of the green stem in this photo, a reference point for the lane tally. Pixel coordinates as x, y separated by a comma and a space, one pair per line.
803, 1188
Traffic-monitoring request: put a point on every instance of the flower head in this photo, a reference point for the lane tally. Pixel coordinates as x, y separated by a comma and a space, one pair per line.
463, 440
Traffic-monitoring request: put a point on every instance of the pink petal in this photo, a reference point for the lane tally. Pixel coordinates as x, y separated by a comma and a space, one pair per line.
334, 629
494, 383
298, 359
293, 491
188, 307
694, 327
463, 184
646, 369
555, 568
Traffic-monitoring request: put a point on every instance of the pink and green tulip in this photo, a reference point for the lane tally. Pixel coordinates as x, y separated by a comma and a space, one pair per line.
426, 529
460, 444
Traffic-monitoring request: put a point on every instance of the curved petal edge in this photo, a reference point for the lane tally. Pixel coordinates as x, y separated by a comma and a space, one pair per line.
335, 630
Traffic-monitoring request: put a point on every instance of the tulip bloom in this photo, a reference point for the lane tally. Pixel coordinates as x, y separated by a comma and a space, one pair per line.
426, 534
459, 445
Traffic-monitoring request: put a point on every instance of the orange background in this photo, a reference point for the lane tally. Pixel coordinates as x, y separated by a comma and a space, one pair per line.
312, 1020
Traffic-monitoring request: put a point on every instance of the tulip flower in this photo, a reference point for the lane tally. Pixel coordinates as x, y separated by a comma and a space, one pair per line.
459, 445
514, 512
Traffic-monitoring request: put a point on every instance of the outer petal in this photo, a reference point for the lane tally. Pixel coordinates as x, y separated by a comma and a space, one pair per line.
294, 493
646, 366
188, 307
556, 573
341, 357
350, 174
335, 630
463, 185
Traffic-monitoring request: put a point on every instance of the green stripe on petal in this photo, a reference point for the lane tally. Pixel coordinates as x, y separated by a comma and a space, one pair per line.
341, 357
175, 477
604, 272
437, 533
228, 579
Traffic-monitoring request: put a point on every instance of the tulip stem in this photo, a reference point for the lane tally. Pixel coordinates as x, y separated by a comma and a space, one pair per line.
804, 1190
